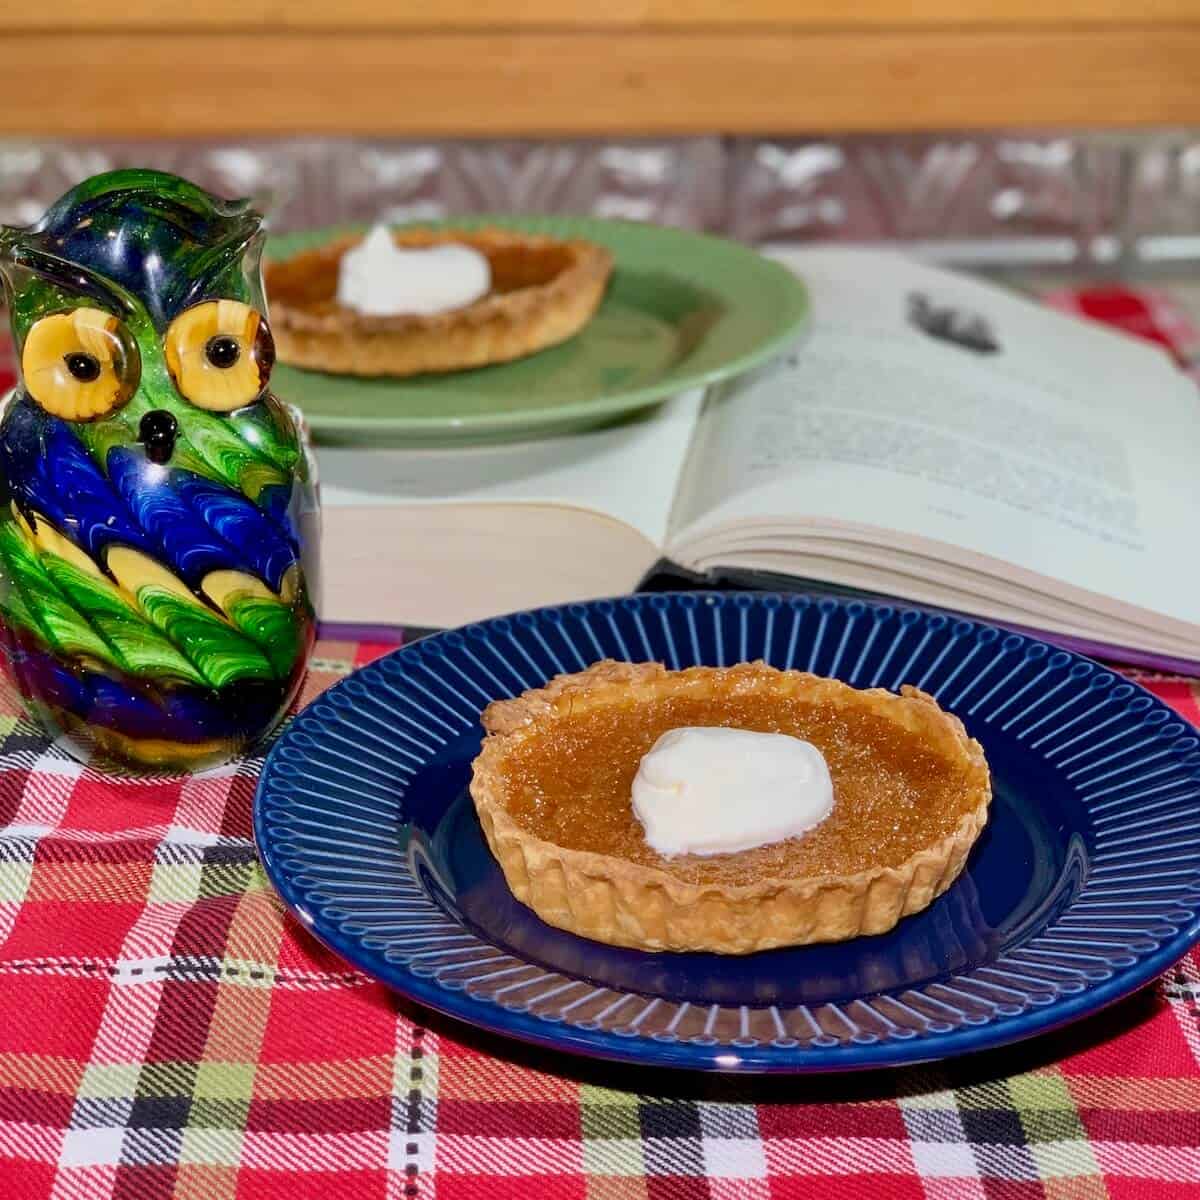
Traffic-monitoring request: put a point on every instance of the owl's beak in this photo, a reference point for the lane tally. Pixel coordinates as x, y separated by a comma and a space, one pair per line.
157, 431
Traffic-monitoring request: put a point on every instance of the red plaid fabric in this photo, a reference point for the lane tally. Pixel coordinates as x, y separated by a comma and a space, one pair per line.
167, 1030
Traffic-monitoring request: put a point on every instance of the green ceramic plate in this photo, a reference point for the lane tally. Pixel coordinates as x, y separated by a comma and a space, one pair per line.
682, 309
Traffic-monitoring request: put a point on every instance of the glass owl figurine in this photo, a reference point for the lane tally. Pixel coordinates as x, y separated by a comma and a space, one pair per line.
158, 519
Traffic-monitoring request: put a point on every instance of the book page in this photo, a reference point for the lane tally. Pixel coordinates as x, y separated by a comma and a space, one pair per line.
939, 407
445, 565
628, 471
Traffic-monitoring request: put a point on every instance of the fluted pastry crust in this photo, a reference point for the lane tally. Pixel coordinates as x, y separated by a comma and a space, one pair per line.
544, 291
613, 900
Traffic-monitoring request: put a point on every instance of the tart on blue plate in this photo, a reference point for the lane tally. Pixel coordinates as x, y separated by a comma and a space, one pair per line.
553, 786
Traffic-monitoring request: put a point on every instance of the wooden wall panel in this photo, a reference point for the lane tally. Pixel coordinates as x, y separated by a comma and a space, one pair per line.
531, 67
583, 15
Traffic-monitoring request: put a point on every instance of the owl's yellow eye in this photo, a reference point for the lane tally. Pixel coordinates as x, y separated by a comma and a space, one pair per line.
220, 354
80, 365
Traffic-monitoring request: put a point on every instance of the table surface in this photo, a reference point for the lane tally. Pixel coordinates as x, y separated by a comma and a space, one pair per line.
168, 1030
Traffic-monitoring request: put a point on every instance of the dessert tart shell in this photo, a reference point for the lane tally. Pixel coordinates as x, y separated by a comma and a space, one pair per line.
622, 903
544, 291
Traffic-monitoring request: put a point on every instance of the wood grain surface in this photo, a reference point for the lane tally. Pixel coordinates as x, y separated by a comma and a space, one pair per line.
627, 67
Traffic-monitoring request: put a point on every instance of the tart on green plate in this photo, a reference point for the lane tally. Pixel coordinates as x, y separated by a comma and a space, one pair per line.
680, 310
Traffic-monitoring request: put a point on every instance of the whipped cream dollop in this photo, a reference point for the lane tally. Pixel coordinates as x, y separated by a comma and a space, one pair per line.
380, 279
712, 790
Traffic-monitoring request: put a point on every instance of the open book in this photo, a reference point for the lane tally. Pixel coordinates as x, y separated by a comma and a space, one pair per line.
930, 438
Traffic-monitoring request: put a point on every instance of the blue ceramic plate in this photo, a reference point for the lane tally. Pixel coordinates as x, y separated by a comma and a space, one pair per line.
1084, 885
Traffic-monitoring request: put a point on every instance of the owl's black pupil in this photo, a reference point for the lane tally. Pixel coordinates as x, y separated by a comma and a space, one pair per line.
222, 350
84, 367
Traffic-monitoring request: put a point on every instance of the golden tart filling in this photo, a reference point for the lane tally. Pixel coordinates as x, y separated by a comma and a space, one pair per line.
553, 786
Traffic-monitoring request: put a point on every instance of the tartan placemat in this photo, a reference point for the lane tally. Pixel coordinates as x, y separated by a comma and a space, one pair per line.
166, 1030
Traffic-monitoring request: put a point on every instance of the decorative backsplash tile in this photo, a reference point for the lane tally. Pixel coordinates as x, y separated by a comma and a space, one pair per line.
1020, 198
1046, 198
307, 183
1163, 214
33, 174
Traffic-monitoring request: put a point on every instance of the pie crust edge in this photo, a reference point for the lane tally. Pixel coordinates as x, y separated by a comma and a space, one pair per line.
497, 328
612, 900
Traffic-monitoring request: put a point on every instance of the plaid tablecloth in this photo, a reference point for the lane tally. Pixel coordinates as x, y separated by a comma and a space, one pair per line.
166, 1030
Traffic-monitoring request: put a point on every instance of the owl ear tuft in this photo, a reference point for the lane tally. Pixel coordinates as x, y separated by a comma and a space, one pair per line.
68, 276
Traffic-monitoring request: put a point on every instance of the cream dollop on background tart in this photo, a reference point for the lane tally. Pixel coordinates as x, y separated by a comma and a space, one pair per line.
381, 279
